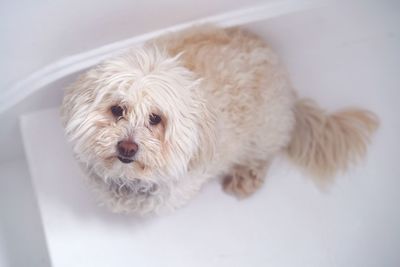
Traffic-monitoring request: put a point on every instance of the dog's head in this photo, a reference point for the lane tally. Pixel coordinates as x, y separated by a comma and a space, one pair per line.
140, 122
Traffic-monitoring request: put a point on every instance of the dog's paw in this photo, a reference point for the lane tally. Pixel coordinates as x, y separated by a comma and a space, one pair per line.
243, 181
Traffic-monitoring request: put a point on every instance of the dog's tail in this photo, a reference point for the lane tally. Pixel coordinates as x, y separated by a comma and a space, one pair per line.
324, 144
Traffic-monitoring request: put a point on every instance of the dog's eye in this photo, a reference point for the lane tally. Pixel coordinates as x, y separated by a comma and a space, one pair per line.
117, 111
154, 119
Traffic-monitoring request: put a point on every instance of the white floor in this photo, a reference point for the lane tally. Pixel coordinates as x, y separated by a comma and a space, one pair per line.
349, 61
288, 222
22, 240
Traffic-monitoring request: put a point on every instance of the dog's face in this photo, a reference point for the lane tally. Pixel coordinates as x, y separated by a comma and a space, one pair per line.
139, 122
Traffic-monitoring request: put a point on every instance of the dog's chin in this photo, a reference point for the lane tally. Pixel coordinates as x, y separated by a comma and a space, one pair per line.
131, 187
127, 188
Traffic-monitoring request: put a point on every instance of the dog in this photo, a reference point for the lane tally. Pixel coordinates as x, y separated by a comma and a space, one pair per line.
154, 124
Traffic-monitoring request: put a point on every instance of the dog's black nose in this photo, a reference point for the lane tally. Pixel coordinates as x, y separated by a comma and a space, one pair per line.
127, 148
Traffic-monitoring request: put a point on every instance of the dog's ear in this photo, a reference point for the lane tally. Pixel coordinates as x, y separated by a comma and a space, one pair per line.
77, 102
206, 130
78, 95
190, 135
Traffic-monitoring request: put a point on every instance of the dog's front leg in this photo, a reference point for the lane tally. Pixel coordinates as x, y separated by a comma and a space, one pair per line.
243, 180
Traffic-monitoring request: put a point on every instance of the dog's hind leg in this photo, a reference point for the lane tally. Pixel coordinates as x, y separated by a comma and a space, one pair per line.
243, 180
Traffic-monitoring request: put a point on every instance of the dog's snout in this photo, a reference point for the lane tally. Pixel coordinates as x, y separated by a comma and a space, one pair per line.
127, 148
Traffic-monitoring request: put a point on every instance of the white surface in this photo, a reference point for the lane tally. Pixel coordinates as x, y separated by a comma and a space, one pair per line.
287, 223
21, 234
353, 60
3, 250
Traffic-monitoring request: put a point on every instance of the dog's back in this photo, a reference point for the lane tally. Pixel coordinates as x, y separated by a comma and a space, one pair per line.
258, 108
243, 81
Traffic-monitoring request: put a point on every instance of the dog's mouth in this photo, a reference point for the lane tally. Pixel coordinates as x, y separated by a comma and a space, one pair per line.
125, 160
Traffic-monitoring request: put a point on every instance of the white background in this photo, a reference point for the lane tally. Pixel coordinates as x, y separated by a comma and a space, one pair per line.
342, 54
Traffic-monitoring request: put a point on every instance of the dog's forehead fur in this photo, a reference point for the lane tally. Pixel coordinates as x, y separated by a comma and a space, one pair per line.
144, 75
145, 81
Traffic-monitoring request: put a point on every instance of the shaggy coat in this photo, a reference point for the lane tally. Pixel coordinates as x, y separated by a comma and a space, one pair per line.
196, 105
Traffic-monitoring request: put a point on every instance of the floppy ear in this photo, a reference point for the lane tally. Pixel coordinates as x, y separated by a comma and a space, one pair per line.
206, 127
190, 134
77, 96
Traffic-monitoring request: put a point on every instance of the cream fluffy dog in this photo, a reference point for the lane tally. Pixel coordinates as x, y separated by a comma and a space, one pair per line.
153, 125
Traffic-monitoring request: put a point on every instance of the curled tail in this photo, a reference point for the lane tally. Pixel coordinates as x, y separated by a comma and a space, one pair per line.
324, 144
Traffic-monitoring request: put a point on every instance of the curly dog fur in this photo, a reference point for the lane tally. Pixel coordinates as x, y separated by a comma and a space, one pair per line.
154, 124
